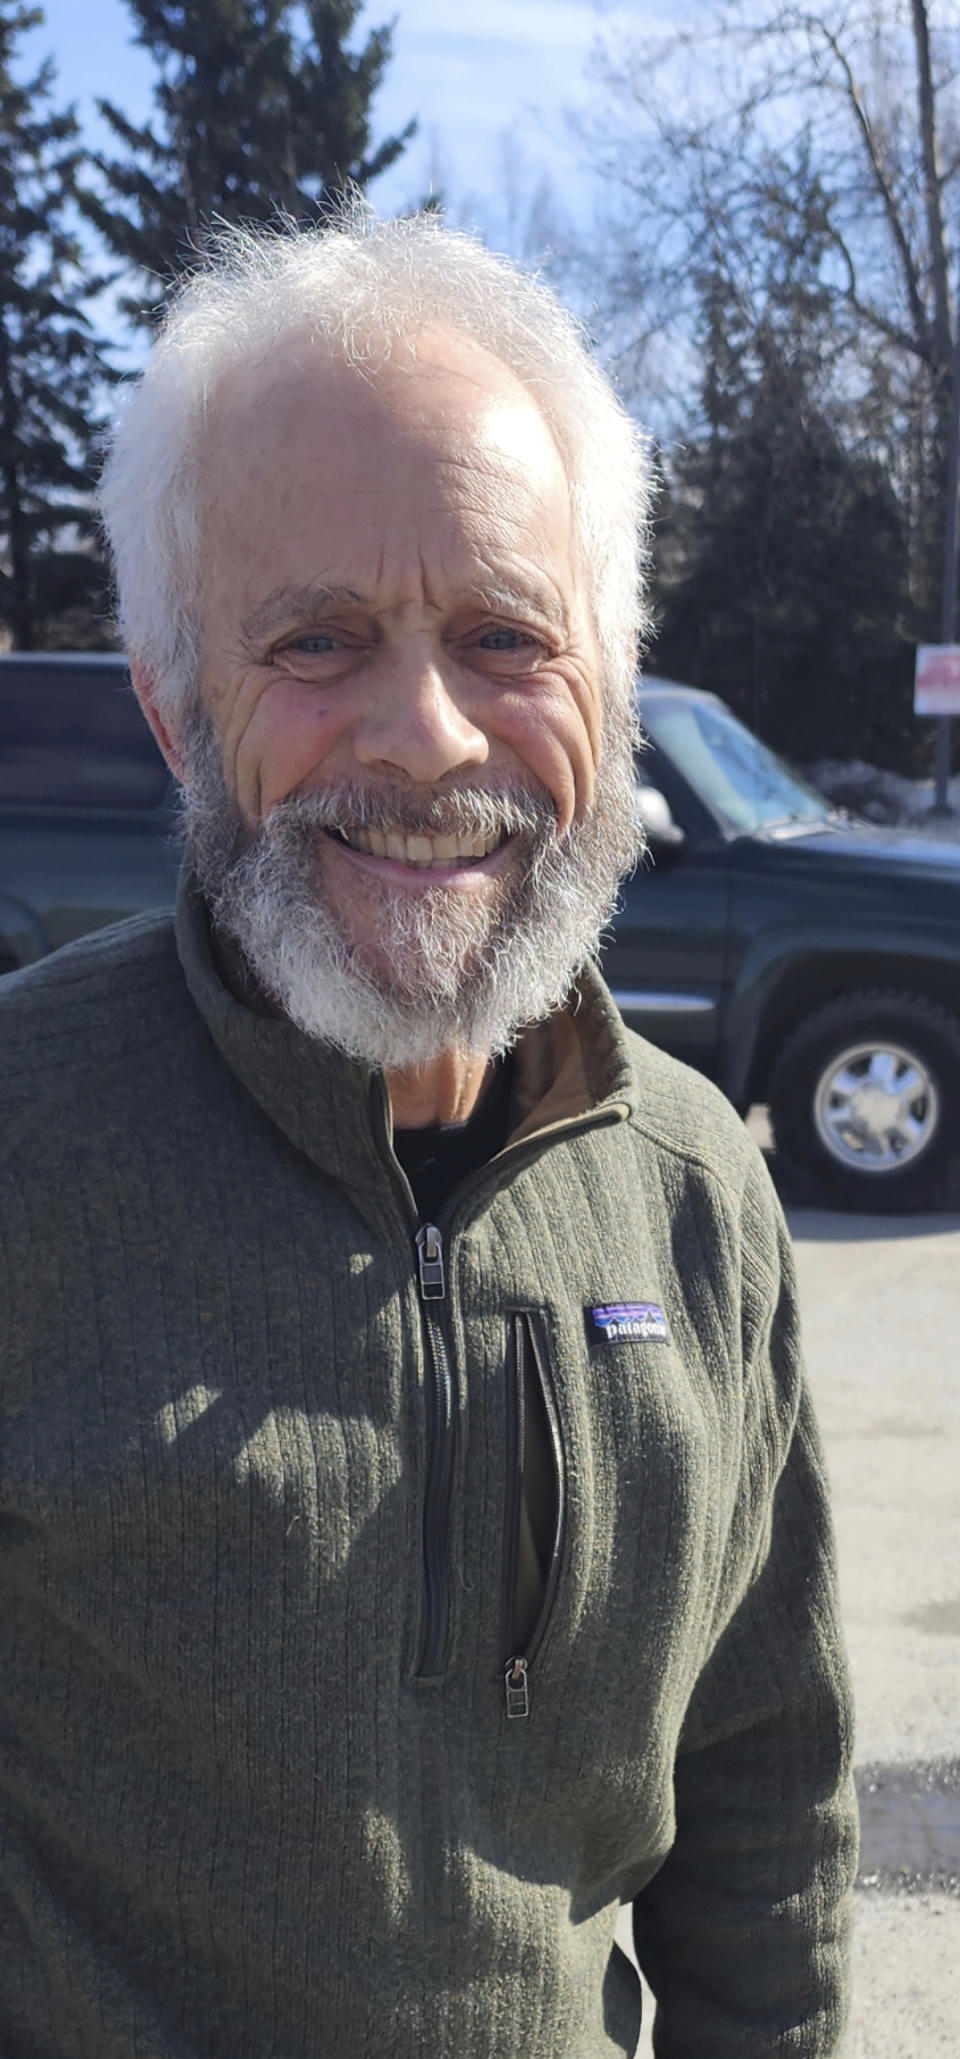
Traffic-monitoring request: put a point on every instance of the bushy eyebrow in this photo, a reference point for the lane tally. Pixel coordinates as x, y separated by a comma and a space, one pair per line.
290, 604
500, 598
296, 604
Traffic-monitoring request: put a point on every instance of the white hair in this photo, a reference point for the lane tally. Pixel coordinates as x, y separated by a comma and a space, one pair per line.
359, 286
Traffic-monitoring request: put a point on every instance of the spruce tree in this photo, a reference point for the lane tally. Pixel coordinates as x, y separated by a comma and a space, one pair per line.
52, 580
250, 120
786, 566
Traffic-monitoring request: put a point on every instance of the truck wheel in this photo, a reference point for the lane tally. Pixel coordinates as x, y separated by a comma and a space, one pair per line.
865, 1097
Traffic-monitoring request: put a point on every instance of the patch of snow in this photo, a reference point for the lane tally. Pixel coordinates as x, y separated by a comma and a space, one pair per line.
887, 797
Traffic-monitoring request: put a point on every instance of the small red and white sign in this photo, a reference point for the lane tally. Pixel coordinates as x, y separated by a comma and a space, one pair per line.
936, 683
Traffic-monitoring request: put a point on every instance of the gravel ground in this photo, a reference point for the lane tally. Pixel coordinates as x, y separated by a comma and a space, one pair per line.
906, 1977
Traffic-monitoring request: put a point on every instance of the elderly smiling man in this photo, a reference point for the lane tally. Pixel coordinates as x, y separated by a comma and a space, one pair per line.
413, 1540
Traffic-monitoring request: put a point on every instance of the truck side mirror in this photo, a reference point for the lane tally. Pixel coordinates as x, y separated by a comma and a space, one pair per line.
654, 812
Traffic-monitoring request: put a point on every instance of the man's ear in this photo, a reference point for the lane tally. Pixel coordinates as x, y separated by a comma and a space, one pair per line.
146, 695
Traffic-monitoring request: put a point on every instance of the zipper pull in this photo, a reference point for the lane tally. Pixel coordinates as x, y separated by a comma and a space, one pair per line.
518, 1693
430, 1262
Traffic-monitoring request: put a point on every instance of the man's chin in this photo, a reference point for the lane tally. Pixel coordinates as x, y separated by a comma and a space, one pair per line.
429, 982
423, 950
408, 981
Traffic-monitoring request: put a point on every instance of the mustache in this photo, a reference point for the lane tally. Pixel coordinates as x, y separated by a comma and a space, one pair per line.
512, 808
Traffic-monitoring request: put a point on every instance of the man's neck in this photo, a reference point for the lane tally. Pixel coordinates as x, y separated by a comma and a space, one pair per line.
448, 1090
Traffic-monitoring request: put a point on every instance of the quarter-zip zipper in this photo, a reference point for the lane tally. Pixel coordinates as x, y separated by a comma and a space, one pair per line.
440, 1453
440, 1424
527, 1350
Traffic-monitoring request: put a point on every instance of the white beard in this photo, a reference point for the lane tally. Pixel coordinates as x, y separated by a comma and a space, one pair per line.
451, 971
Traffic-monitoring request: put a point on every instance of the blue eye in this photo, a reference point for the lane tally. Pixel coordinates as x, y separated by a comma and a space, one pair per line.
504, 639
317, 644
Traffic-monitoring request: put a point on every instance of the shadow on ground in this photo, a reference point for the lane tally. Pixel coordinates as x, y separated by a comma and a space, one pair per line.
809, 1218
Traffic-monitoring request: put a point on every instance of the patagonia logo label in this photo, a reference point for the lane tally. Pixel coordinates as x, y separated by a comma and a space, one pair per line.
642, 1319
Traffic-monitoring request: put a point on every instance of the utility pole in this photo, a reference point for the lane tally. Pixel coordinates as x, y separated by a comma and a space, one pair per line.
948, 608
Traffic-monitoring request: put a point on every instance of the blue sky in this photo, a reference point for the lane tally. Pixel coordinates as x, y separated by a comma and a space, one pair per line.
472, 70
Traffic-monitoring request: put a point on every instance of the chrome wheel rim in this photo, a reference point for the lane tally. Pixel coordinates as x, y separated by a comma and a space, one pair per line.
876, 1107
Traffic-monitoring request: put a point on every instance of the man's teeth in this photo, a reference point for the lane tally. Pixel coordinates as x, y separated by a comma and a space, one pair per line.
419, 850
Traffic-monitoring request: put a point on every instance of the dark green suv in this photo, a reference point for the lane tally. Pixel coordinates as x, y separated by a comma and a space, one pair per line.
87, 805
800, 957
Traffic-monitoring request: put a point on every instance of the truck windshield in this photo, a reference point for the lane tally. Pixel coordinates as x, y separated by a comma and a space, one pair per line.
746, 785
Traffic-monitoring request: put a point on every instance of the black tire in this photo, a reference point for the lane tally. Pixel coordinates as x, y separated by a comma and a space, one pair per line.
801, 1107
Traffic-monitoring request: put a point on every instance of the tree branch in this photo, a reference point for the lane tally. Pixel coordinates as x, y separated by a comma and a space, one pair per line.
891, 330
923, 339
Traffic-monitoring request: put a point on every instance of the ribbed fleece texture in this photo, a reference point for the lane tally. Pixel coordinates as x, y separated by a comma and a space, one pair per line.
235, 1821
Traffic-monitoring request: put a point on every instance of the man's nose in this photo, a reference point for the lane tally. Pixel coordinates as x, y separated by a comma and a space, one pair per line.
414, 724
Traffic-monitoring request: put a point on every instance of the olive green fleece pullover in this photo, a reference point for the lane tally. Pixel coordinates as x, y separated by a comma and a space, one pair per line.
285, 1770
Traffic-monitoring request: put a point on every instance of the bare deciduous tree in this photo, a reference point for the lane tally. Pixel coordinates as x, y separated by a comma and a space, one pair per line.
697, 135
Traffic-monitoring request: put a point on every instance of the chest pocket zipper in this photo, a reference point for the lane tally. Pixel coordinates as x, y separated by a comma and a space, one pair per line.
535, 1511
